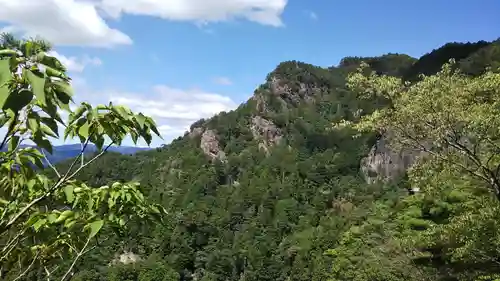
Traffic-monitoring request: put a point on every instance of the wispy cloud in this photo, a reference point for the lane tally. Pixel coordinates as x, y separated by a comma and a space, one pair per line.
221, 80
312, 15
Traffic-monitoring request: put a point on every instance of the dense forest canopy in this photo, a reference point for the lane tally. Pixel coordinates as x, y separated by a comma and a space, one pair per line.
312, 179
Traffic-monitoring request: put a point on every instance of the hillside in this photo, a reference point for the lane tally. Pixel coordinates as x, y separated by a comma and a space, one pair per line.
269, 191
63, 152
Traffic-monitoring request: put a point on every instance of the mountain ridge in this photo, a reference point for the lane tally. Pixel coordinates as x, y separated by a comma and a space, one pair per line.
68, 151
269, 192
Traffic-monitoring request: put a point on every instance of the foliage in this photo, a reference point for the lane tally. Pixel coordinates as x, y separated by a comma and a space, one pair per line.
300, 209
432, 62
483, 59
452, 117
46, 225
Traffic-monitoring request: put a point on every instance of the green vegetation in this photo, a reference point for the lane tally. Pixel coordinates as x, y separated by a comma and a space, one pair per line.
278, 189
48, 225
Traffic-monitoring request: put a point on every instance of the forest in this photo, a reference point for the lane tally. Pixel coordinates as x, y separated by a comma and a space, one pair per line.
379, 168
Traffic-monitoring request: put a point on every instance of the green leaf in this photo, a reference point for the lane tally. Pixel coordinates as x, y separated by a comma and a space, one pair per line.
8, 52
99, 142
14, 141
41, 142
37, 81
95, 227
121, 111
69, 223
134, 136
83, 131
33, 122
64, 215
18, 101
28, 48
155, 209
52, 110
64, 91
3, 202
76, 114
50, 61
52, 218
5, 76
47, 131
33, 218
51, 123
37, 225
54, 72
152, 125
146, 135
141, 119
68, 191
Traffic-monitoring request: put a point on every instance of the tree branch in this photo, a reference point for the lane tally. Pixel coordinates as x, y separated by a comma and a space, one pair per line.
27, 269
76, 160
50, 164
60, 182
90, 161
82, 251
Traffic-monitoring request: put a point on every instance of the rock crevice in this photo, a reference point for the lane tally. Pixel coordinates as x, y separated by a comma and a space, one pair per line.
266, 131
386, 163
210, 145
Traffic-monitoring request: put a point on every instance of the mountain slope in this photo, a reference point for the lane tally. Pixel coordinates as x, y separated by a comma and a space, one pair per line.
68, 151
262, 192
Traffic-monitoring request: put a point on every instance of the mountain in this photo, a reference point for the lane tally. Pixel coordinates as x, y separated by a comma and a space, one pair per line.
68, 151
269, 192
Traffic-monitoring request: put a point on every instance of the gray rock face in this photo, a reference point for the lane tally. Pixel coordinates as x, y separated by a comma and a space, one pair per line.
305, 92
195, 132
260, 104
385, 163
210, 145
279, 88
266, 131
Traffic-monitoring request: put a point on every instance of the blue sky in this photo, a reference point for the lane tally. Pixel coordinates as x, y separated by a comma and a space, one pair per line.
179, 60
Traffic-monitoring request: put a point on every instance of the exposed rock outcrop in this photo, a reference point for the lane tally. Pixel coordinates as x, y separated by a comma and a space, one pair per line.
266, 131
279, 88
302, 92
210, 145
126, 258
260, 103
195, 132
386, 163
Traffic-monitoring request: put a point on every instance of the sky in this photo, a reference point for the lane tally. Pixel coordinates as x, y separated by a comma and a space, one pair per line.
181, 60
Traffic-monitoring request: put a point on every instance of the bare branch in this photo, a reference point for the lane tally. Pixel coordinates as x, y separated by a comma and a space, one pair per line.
82, 251
27, 269
83, 154
91, 160
76, 160
50, 164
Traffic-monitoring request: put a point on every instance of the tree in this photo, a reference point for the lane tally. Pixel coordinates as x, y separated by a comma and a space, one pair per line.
451, 117
47, 225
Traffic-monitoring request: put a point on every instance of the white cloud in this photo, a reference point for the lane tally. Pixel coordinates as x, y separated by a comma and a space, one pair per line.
225, 81
63, 22
267, 12
76, 64
173, 109
78, 22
